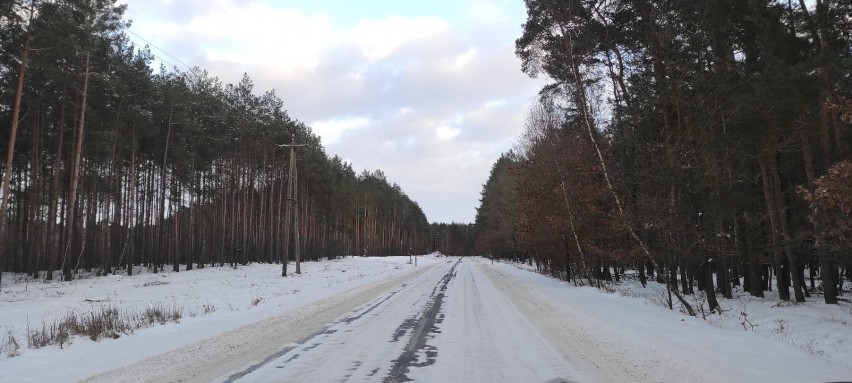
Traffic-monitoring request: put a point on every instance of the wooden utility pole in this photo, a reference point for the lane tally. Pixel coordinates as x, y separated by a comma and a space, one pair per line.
292, 187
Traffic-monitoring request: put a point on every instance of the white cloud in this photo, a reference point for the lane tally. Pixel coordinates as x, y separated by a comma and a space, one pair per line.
445, 132
331, 130
377, 39
464, 59
490, 104
254, 33
431, 100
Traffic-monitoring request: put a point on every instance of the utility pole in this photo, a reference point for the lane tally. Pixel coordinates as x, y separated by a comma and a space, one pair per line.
292, 187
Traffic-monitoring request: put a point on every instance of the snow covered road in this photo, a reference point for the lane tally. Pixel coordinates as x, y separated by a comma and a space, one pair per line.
448, 324
466, 320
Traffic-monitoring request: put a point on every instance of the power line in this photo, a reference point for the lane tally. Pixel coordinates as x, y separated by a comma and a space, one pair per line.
159, 57
80, 48
127, 28
159, 49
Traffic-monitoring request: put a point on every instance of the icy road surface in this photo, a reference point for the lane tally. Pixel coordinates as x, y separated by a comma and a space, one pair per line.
448, 323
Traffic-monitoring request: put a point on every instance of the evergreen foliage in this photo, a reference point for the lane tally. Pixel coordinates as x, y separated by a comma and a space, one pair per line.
672, 139
175, 168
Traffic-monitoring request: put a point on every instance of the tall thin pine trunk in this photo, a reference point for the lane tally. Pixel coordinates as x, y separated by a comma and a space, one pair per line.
10, 152
70, 222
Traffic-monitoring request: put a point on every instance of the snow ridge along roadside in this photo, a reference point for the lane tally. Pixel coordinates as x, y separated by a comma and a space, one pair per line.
612, 338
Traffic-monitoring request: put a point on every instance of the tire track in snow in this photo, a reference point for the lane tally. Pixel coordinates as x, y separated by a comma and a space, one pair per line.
327, 330
358, 346
484, 338
424, 326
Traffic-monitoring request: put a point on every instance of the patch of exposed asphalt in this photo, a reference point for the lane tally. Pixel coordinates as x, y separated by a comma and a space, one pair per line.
423, 328
407, 325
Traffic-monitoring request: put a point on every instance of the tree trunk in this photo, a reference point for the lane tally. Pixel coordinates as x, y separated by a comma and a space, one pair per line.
163, 232
825, 262
709, 292
568, 259
132, 202
792, 262
75, 174
10, 152
768, 193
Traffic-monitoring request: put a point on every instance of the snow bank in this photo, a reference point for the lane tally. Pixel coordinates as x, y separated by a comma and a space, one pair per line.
780, 342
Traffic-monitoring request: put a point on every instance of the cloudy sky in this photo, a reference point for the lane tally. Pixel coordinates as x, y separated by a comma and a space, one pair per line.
429, 91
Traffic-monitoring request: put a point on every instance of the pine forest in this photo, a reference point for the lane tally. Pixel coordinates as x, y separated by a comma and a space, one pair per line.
702, 144
113, 165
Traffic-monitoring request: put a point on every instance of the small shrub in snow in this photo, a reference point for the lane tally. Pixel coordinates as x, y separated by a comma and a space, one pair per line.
782, 332
154, 283
744, 321
782, 326
808, 346
157, 313
698, 304
47, 335
9, 345
97, 324
101, 322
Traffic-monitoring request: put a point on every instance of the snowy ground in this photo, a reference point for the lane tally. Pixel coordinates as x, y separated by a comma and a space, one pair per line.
449, 319
212, 301
805, 342
814, 327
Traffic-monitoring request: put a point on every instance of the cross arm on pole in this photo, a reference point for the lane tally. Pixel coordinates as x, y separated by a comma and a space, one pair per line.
292, 144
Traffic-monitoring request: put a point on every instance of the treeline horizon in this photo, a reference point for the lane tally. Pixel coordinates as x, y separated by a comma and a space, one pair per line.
702, 143
115, 165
